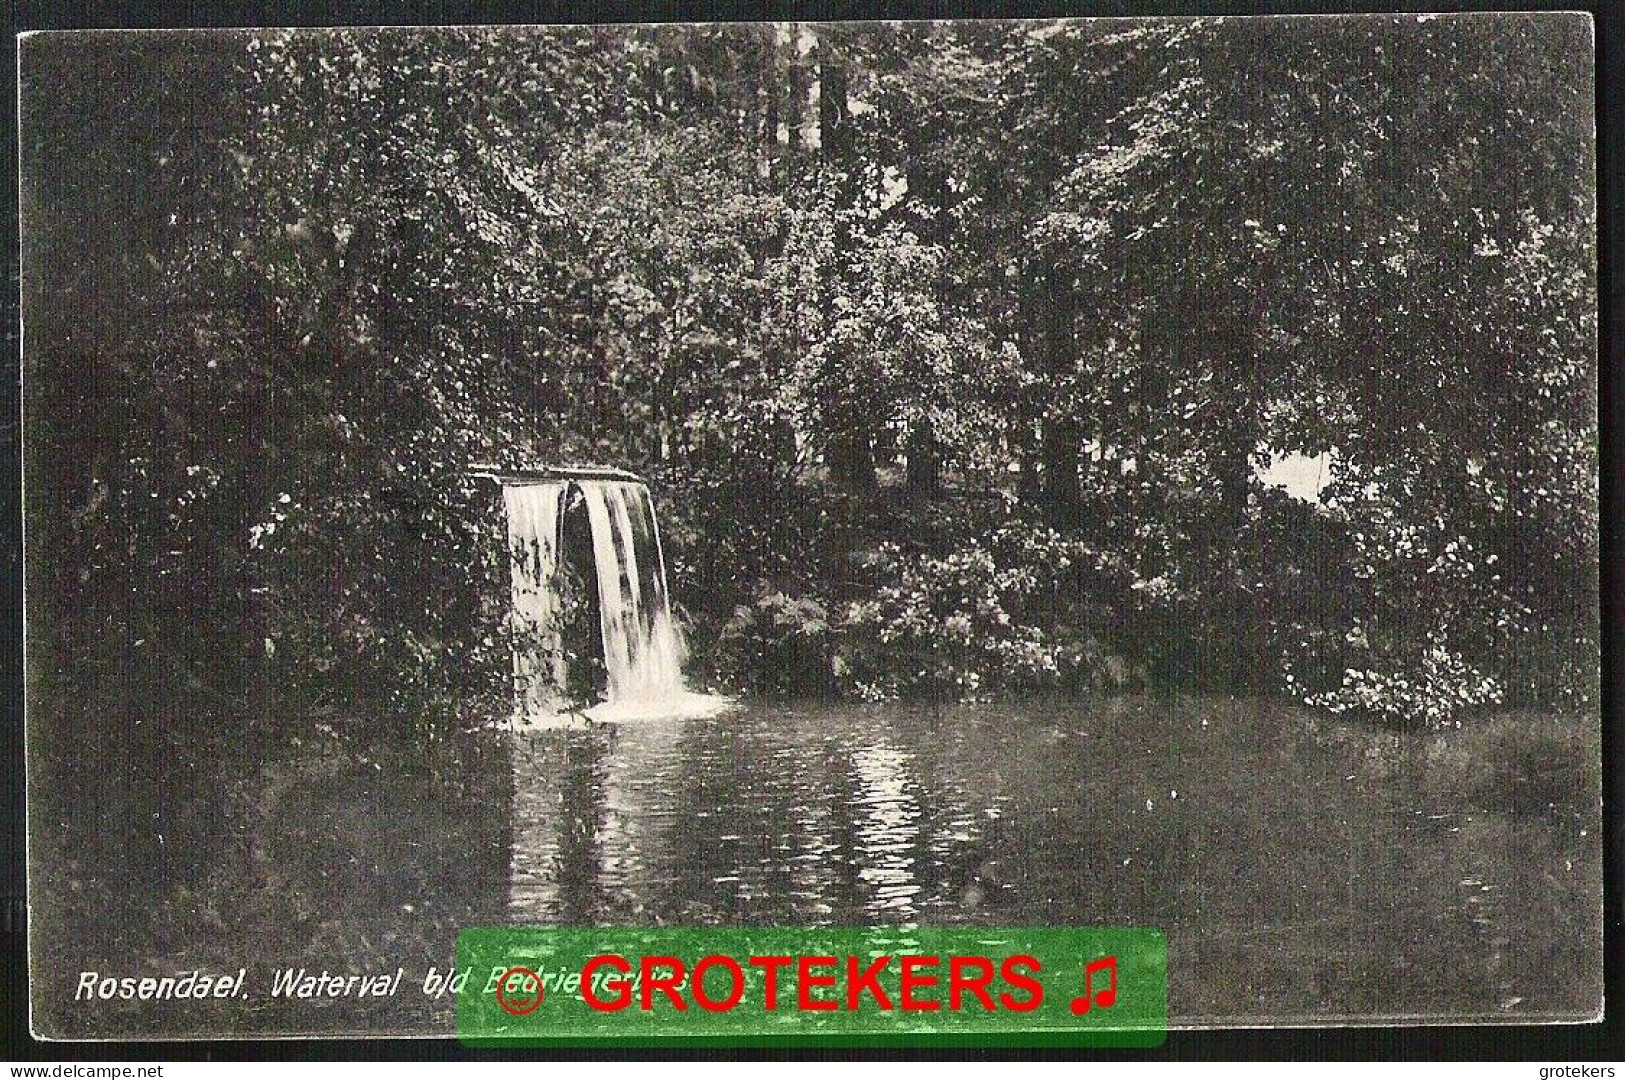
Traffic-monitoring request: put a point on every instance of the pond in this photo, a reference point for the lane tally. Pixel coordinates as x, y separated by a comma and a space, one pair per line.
1301, 871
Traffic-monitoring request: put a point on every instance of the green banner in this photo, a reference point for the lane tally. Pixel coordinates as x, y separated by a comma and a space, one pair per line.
1076, 986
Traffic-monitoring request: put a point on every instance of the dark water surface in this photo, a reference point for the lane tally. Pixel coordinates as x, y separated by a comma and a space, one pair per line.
1301, 871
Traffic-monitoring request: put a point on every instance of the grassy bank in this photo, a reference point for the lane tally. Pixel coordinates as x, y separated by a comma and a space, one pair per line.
1364, 872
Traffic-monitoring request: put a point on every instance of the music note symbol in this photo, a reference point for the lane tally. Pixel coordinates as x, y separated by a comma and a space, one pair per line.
1105, 998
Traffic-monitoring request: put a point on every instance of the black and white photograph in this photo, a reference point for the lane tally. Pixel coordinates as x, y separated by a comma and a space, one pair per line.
1088, 472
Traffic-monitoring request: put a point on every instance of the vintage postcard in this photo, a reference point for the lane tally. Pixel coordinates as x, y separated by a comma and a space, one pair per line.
954, 482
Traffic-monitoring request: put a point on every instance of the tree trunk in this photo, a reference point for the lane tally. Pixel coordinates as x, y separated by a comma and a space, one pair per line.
834, 132
852, 459
1233, 341
1235, 472
852, 450
924, 460
1062, 436
1030, 484
795, 106
928, 187
769, 90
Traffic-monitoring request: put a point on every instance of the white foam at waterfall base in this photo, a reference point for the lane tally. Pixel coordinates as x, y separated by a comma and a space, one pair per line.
686, 705
643, 646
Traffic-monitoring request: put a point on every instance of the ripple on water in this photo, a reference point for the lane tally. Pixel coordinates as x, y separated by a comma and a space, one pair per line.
804, 816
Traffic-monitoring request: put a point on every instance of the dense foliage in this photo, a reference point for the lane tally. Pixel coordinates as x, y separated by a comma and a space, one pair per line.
953, 355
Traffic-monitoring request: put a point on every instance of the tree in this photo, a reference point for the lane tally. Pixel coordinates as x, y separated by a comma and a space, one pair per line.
1082, 275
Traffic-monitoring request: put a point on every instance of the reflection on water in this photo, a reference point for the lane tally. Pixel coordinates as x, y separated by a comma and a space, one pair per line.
1286, 888
753, 817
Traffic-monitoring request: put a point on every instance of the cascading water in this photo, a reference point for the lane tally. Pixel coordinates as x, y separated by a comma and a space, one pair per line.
643, 655
643, 650
534, 513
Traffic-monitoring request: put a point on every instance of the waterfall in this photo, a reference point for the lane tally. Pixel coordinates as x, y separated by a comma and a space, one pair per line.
643, 654
534, 512
643, 651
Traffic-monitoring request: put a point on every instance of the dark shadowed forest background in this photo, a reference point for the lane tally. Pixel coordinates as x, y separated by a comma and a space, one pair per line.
954, 355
